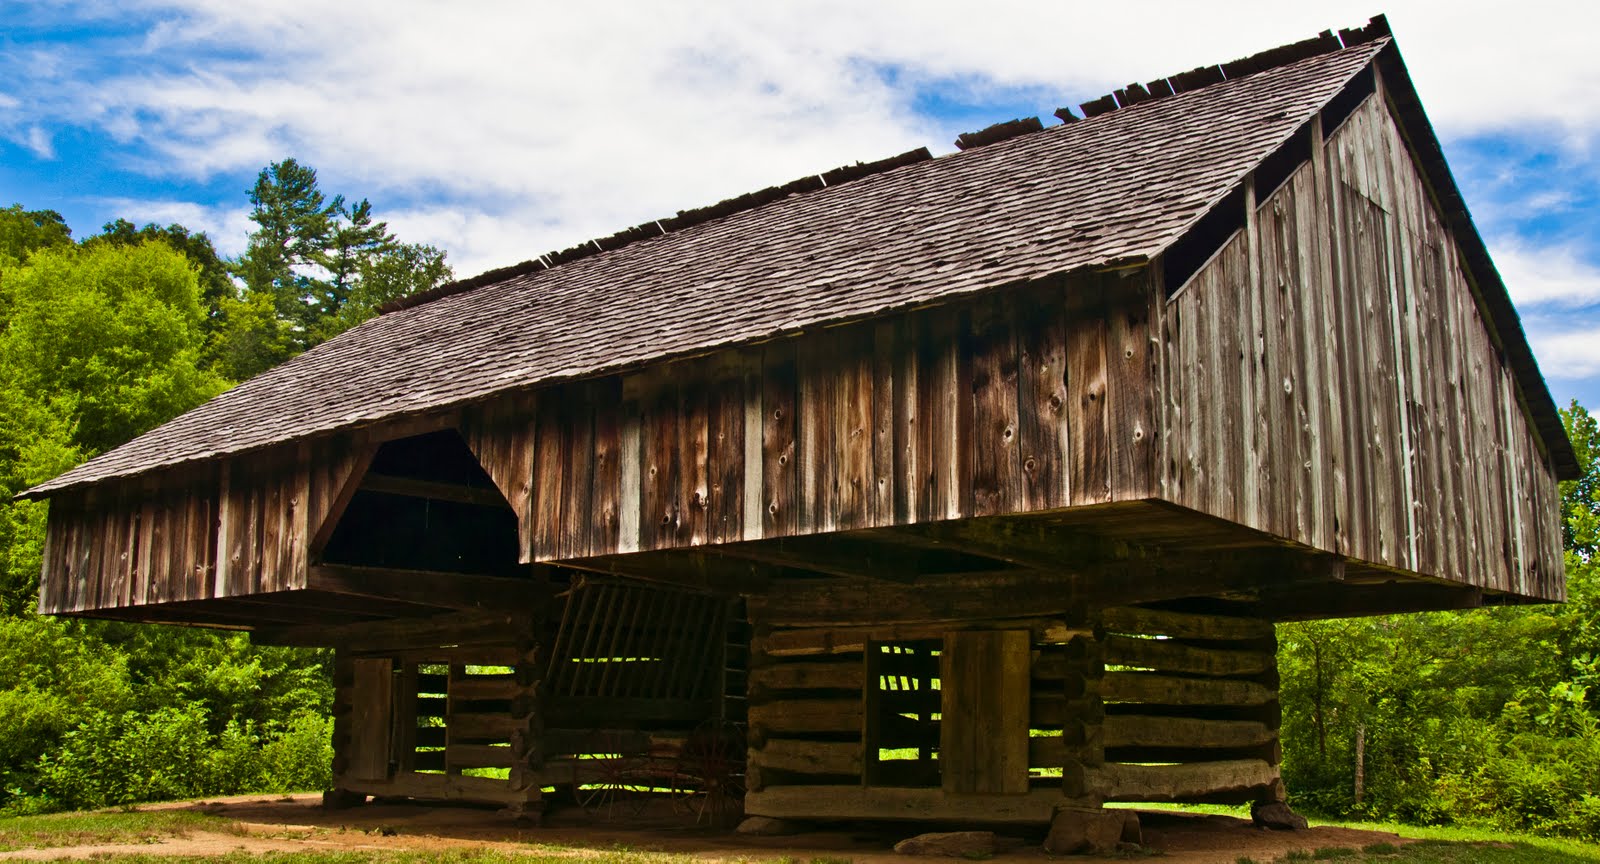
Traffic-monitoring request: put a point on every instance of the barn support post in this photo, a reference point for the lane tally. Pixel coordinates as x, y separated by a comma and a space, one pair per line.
527, 725
340, 797
1079, 823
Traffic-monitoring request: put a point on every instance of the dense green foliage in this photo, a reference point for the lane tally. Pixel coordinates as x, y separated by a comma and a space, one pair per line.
100, 714
1489, 716
101, 340
23, 231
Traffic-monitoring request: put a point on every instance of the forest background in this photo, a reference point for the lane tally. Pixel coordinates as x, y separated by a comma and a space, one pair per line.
1490, 716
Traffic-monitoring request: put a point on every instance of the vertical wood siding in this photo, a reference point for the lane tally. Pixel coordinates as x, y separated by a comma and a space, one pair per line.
1329, 379
1026, 400
218, 530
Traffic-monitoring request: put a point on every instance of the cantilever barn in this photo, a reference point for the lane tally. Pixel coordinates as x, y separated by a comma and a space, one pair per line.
963, 489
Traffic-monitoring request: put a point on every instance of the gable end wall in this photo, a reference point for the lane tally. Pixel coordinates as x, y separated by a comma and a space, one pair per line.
1329, 378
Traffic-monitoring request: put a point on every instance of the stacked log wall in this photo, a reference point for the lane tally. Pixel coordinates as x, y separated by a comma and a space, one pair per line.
1188, 706
461, 721
1145, 705
1329, 378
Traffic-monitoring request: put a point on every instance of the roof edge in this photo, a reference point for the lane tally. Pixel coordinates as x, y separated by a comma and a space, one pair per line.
1201, 77
64, 482
656, 228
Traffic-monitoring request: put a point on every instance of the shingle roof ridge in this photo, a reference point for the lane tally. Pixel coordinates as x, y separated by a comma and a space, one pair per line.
657, 227
1202, 77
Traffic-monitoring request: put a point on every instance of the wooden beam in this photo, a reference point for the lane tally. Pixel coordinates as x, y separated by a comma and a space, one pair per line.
1167, 655
572, 712
305, 607
1024, 593
1153, 689
411, 487
1052, 549
1170, 656
1183, 782
322, 533
844, 602
1184, 625
461, 628
230, 619
862, 602
442, 787
1134, 730
832, 556
825, 641
1023, 543
1179, 575
701, 570
444, 590
480, 687
807, 716
480, 756
798, 756
410, 426
837, 675
1307, 602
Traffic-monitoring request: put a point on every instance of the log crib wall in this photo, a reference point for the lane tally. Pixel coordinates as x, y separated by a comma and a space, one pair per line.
1006, 720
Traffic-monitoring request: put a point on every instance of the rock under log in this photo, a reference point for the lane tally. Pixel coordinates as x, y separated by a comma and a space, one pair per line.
949, 844
1277, 816
1090, 831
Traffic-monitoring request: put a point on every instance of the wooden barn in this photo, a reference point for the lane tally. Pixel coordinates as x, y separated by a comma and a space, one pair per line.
959, 489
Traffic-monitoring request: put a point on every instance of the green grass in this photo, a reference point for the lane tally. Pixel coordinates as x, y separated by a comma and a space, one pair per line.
103, 827
1449, 844
1440, 852
1484, 841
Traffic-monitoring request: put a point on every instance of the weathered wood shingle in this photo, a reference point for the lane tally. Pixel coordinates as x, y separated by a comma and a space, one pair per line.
1114, 189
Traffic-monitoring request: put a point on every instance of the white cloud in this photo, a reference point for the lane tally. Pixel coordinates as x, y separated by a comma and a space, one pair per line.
1539, 276
38, 140
1569, 354
477, 241
499, 130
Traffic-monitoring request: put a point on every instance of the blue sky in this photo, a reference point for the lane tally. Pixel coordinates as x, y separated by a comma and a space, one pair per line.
497, 130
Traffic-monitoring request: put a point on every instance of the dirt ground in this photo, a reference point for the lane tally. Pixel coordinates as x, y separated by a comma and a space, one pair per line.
300, 823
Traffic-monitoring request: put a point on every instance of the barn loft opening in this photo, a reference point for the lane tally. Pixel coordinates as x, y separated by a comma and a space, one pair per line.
426, 504
1191, 251
1281, 164
1340, 107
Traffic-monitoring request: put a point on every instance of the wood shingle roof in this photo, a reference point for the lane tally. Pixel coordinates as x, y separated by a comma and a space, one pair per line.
1111, 190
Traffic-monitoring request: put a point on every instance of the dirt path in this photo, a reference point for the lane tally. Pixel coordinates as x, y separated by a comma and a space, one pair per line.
300, 823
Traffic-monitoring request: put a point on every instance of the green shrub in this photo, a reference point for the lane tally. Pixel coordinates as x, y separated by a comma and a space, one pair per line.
301, 757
